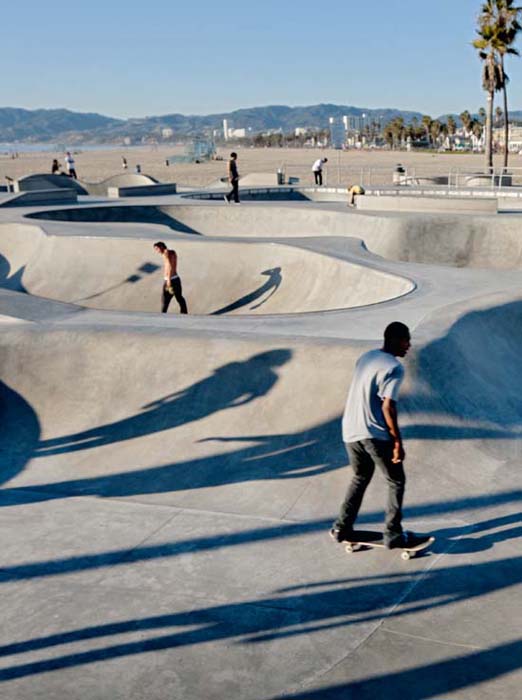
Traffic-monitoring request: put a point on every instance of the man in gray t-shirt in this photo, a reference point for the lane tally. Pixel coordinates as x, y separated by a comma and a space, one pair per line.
371, 433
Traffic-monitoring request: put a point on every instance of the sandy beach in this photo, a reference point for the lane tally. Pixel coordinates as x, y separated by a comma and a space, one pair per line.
343, 168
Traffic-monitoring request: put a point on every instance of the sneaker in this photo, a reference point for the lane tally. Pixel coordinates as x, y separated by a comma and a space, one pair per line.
338, 534
402, 541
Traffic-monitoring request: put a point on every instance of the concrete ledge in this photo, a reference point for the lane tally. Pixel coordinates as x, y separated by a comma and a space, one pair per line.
142, 191
37, 197
427, 204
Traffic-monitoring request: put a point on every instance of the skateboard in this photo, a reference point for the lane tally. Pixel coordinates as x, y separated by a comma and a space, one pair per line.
370, 539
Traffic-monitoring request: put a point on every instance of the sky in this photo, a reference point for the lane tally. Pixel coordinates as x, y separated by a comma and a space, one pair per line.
126, 59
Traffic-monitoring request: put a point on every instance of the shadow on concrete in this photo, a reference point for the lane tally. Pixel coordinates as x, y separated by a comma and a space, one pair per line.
8, 280
229, 386
435, 680
131, 214
305, 610
147, 268
152, 552
19, 432
269, 288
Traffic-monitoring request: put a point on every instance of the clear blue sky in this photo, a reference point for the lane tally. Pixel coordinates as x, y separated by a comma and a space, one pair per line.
124, 58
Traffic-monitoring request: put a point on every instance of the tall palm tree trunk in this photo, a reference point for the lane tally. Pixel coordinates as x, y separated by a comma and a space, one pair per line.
489, 133
506, 116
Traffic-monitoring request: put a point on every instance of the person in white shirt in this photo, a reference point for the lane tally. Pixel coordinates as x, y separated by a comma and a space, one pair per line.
69, 164
317, 169
372, 436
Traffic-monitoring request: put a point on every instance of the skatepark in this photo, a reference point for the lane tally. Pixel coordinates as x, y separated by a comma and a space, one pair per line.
168, 481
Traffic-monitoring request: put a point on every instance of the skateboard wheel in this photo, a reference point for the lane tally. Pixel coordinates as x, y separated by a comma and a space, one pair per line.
406, 555
350, 548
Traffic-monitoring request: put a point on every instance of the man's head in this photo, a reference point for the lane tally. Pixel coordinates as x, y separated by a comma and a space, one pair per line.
325, 160
160, 247
397, 339
233, 155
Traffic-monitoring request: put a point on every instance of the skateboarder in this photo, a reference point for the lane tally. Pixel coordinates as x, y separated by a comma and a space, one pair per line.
372, 436
233, 178
317, 169
172, 282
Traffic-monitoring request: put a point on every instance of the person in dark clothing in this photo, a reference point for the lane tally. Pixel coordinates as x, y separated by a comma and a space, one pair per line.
233, 178
55, 169
171, 281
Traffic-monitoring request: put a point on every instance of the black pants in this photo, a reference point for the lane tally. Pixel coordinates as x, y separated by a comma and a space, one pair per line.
72, 174
166, 296
364, 455
318, 174
234, 192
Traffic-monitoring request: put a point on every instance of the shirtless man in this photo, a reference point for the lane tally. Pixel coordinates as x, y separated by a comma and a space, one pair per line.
172, 282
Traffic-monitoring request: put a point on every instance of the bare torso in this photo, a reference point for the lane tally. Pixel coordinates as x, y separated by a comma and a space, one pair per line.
170, 264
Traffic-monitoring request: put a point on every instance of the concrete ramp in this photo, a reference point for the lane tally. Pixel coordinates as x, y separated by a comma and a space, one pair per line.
218, 277
121, 180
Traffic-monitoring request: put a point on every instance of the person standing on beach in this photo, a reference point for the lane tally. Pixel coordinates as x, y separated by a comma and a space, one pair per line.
124, 163
372, 436
55, 168
233, 178
69, 164
317, 169
171, 280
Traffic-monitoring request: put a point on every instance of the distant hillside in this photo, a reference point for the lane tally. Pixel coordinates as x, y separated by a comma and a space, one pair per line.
48, 124
62, 125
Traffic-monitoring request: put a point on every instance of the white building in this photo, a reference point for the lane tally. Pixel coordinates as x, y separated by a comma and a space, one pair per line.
225, 129
167, 133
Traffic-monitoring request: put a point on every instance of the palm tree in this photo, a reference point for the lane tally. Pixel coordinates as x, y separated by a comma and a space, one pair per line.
482, 115
426, 123
498, 28
465, 118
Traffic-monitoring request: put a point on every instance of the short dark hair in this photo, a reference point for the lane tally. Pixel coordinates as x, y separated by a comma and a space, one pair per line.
325, 160
160, 245
396, 331
233, 154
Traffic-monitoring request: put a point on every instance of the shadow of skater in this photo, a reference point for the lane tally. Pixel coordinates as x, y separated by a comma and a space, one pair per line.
19, 432
146, 269
270, 287
229, 386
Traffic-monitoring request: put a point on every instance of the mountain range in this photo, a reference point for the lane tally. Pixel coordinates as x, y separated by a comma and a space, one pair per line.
65, 126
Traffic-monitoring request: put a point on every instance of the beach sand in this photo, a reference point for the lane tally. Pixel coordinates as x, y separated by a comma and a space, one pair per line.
344, 167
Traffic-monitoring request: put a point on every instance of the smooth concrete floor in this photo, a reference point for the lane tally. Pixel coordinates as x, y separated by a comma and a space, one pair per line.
168, 482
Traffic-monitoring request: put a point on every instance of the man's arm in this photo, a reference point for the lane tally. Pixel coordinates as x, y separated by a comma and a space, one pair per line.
389, 409
168, 272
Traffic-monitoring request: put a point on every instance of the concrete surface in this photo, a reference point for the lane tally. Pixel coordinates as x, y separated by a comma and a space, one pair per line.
155, 190
43, 197
168, 481
427, 204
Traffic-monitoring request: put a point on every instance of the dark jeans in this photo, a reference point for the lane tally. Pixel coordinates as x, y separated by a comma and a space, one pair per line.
166, 296
318, 174
72, 173
234, 192
364, 455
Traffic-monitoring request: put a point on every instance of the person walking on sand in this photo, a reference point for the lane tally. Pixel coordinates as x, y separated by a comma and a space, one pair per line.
233, 178
372, 436
55, 168
69, 164
317, 169
171, 280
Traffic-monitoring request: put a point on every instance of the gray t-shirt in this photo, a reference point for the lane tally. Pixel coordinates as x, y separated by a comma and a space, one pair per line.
378, 375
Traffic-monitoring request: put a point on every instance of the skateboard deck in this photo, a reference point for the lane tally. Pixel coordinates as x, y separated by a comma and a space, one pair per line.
370, 539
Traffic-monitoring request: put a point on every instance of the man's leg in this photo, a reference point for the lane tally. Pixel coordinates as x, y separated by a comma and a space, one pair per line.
363, 469
320, 178
176, 284
235, 190
382, 452
316, 177
166, 298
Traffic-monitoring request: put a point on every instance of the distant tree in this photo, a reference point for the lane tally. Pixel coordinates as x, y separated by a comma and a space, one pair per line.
482, 115
497, 29
426, 123
435, 131
465, 118
451, 128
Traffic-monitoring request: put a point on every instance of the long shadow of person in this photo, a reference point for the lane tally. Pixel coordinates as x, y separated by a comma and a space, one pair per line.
19, 432
229, 386
269, 288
